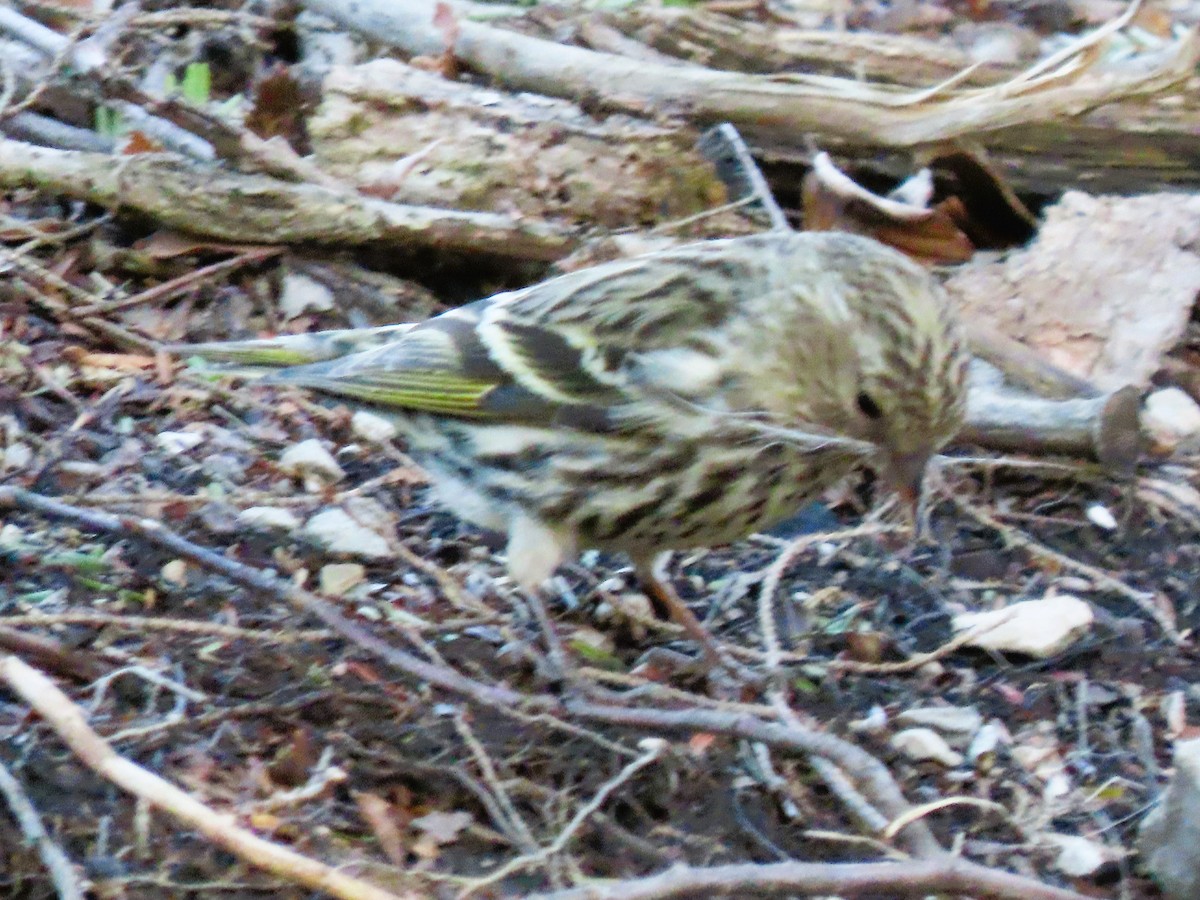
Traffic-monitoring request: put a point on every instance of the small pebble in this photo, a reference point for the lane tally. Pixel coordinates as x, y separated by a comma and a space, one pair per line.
338, 578
1099, 516
268, 518
371, 427
334, 530
176, 443
309, 459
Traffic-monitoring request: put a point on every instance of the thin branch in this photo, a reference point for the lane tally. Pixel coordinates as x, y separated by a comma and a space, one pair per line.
1016, 538
654, 749
870, 774
67, 883
891, 879
760, 105
517, 830
69, 723
216, 203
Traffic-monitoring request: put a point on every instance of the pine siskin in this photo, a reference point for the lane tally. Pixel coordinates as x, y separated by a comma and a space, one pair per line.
684, 398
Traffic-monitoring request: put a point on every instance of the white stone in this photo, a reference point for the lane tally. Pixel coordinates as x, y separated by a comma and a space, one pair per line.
176, 443
338, 578
1098, 514
988, 740
590, 637
873, 722
175, 572
17, 456
1078, 856
372, 427
11, 535
1039, 628
334, 530
268, 518
921, 744
443, 827
1172, 419
301, 294
309, 459
957, 720
1058, 785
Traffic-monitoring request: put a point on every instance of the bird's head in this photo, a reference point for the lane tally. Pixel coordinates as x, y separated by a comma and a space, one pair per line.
883, 360
907, 395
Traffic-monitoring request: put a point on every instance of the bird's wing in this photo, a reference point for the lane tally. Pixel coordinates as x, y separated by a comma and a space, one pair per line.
439, 366
573, 349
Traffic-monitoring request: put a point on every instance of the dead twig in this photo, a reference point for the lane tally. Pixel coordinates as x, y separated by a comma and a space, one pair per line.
155, 534
921, 659
773, 574
168, 290
774, 108
67, 883
892, 879
512, 822
69, 723
199, 199
53, 655
1016, 538
155, 623
654, 749
1106, 428
870, 774
1024, 366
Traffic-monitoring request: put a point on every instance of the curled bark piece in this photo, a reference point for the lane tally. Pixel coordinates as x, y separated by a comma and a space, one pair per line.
1105, 428
833, 201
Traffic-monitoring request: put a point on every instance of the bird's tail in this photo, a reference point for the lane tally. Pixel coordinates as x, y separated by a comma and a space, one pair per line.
255, 358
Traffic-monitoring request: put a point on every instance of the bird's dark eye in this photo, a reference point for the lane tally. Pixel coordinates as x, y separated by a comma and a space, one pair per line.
867, 406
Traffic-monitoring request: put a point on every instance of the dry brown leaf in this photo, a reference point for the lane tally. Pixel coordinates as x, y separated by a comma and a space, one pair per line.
279, 108
139, 142
699, 743
380, 816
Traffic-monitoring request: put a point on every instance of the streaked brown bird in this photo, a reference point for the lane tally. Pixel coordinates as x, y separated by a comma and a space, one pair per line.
684, 398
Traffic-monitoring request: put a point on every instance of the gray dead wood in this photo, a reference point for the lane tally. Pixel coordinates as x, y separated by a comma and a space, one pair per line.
417, 137
1137, 144
697, 36
229, 206
1106, 428
777, 113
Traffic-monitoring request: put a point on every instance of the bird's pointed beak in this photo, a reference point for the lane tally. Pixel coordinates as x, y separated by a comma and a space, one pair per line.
906, 473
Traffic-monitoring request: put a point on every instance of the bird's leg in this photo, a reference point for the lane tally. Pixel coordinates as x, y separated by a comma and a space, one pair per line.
662, 596
556, 654
534, 551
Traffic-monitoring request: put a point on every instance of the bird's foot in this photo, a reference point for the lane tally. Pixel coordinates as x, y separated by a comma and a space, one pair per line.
725, 677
